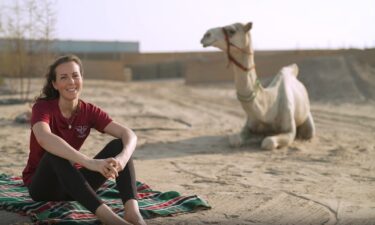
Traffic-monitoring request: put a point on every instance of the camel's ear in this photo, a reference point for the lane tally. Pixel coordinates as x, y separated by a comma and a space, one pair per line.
248, 26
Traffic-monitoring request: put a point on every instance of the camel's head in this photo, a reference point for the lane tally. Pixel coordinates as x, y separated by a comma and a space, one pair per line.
236, 34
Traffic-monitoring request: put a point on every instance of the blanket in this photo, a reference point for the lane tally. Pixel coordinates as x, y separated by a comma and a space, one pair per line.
14, 197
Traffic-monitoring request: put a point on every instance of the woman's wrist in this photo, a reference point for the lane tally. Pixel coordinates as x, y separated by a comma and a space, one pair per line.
86, 161
121, 159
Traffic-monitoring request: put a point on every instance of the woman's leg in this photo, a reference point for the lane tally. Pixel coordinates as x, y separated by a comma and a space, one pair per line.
45, 185
56, 179
107, 216
126, 182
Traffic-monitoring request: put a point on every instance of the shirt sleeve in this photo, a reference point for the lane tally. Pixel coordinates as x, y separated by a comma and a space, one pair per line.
40, 112
99, 118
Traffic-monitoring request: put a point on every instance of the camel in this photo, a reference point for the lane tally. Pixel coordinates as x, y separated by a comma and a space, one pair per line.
276, 114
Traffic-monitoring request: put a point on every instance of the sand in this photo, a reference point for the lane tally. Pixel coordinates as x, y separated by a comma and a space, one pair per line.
183, 146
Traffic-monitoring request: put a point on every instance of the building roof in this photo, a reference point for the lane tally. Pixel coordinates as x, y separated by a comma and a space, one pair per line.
79, 46
95, 46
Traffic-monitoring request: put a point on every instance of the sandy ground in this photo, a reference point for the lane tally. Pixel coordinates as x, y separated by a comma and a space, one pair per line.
183, 146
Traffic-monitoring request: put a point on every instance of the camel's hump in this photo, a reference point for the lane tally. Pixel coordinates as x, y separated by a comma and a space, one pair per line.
290, 69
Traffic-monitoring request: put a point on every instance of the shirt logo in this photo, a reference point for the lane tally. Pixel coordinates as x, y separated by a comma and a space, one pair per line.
81, 131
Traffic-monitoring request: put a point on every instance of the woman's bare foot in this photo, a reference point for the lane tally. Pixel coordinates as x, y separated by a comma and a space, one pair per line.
108, 217
132, 214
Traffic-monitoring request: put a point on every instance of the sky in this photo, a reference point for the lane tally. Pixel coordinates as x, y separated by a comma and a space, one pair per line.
178, 25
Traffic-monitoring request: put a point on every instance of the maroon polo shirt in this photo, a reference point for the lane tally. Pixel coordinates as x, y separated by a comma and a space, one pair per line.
73, 130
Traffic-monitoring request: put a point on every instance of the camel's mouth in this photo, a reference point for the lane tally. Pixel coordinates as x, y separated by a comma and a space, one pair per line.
206, 44
207, 41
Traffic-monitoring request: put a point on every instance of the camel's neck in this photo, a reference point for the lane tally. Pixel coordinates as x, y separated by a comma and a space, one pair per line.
245, 81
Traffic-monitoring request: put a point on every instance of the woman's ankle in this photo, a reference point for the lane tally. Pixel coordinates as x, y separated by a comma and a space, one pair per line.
108, 217
132, 213
132, 205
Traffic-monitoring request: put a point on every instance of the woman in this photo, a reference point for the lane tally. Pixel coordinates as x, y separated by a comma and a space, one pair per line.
56, 170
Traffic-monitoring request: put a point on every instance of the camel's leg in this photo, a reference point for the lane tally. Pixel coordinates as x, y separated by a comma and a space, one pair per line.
306, 131
278, 141
237, 140
245, 137
283, 139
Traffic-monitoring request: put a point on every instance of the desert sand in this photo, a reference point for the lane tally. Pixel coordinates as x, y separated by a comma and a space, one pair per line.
183, 146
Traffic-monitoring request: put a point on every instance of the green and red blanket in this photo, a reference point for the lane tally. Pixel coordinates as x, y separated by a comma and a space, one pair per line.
14, 197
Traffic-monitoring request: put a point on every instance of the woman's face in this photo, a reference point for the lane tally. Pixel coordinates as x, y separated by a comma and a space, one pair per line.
68, 80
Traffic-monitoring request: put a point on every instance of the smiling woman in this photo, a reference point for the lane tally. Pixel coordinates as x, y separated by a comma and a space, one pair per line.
68, 81
56, 170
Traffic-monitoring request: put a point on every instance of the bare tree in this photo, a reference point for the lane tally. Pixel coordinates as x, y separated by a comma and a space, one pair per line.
1, 19
47, 21
1, 31
27, 26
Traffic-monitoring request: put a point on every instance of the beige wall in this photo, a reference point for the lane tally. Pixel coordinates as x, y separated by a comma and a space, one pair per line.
105, 69
152, 58
207, 70
163, 65
195, 67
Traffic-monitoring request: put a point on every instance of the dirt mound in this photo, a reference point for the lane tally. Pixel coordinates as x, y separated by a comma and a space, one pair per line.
338, 78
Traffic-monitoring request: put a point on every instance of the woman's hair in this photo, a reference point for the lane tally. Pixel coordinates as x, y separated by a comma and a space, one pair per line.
49, 92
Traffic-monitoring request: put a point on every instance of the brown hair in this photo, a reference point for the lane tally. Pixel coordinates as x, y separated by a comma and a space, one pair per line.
49, 92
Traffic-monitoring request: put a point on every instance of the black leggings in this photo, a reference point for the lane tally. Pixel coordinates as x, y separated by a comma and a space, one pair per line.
56, 179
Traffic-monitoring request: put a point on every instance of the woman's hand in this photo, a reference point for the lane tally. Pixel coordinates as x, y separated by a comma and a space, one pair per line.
120, 165
107, 167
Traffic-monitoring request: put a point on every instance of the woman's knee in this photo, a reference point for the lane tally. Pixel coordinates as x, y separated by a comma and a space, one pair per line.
115, 147
112, 149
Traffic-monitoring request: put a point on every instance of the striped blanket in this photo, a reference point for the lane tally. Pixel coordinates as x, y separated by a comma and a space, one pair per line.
15, 197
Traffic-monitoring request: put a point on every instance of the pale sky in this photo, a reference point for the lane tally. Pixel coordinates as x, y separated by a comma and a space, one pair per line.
176, 25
